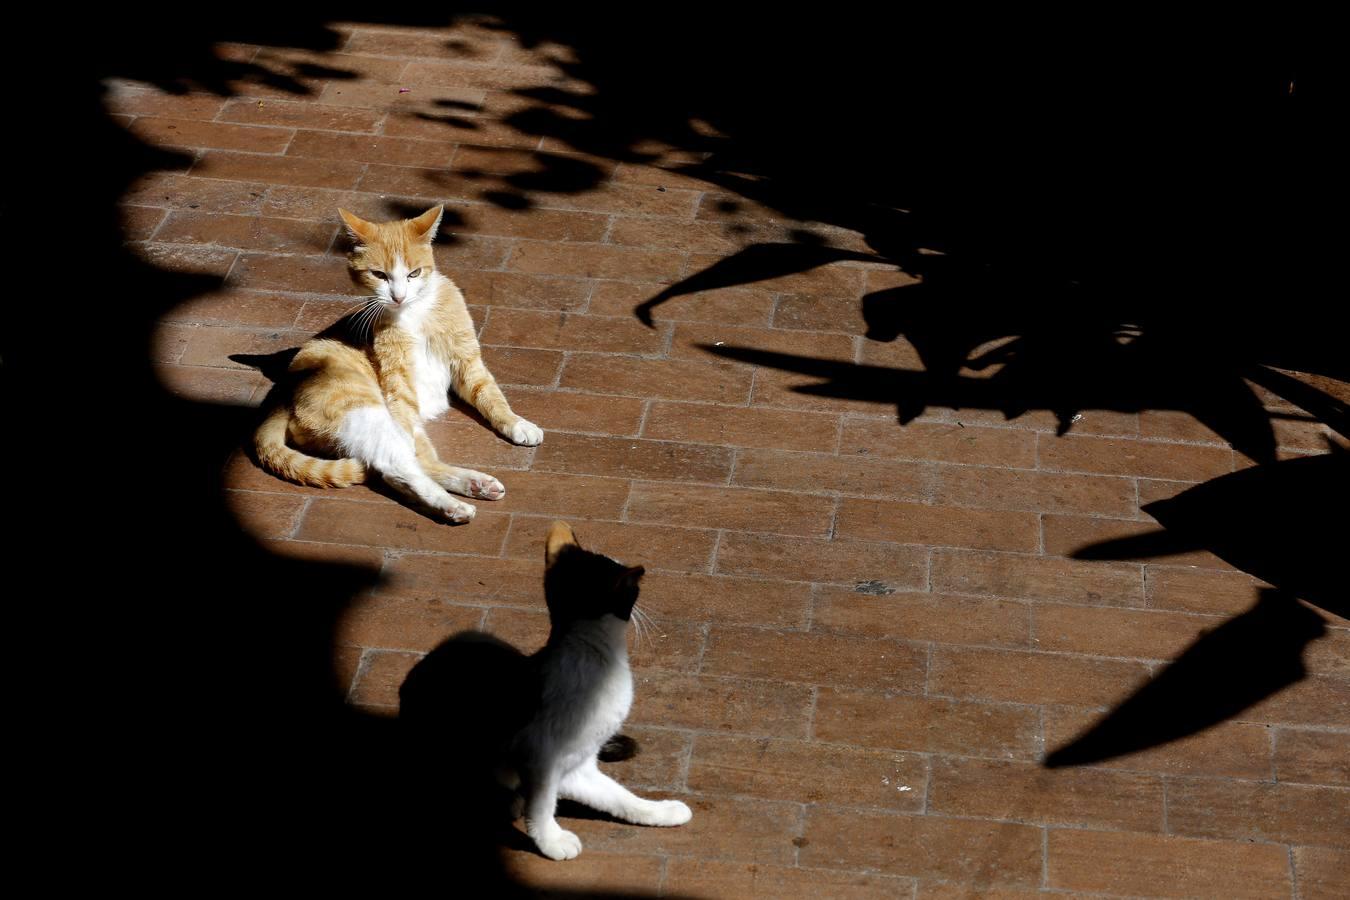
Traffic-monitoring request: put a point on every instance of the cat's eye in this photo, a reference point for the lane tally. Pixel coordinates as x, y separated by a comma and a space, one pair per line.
414, 273
379, 275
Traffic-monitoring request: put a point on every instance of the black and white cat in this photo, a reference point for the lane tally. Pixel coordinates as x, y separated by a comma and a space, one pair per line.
538, 722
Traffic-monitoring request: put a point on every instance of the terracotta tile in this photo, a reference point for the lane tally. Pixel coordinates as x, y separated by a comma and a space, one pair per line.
394, 525
1029, 792
816, 313
1323, 874
992, 488
741, 427
322, 173
806, 559
939, 526
633, 458
1316, 757
513, 365
1230, 749
1146, 459
647, 378
1037, 578
594, 873
175, 191
1164, 866
320, 274
523, 291
863, 663
807, 772
213, 346
733, 508
596, 261
1042, 678
1100, 631
564, 331
1253, 811
829, 281
552, 494
925, 724
217, 135
921, 617
815, 472
754, 881
923, 846
730, 306
377, 683
231, 387
1066, 535
691, 339
1200, 591
402, 623
729, 601
708, 703
466, 580
655, 546
722, 828
231, 306
555, 410
661, 759
203, 107
942, 443
264, 515
293, 114
246, 232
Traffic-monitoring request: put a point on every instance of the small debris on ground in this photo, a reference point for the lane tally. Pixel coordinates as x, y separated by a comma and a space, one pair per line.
875, 588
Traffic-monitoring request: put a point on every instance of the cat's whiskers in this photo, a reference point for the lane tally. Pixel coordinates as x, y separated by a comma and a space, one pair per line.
368, 316
643, 624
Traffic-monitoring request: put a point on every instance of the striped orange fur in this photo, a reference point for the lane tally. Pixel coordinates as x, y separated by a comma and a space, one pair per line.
364, 388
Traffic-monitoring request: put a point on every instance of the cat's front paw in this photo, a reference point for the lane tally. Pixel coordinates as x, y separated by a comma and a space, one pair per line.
458, 512
665, 813
526, 433
561, 844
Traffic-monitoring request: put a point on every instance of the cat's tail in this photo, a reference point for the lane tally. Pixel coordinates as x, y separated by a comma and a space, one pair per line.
269, 442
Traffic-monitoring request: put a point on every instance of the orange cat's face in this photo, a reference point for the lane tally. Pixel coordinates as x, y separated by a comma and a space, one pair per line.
393, 259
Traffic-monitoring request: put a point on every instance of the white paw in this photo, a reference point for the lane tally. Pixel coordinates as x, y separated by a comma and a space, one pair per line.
459, 513
486, 488
664, 813
560, 845
526, 433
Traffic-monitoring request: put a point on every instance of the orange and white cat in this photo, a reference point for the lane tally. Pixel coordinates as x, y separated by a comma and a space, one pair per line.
361, 396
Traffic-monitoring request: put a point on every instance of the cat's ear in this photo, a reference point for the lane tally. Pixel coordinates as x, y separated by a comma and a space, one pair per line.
360, 230
423, 228
630, 577
560, 537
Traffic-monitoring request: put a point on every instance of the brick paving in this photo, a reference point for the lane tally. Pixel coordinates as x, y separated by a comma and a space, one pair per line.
868, 634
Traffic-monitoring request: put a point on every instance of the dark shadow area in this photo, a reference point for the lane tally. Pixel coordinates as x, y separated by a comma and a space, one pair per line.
1066, 216
1278, 521
1168, 180
192, 722
1243, 661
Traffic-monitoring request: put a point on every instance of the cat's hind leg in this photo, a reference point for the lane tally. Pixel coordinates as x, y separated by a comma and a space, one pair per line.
467, 482
587, 785
370, 434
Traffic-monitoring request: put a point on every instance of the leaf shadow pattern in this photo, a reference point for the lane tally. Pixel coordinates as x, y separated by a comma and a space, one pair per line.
1075, 228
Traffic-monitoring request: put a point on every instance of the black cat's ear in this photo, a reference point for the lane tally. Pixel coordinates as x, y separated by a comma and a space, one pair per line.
560, 537
629, 578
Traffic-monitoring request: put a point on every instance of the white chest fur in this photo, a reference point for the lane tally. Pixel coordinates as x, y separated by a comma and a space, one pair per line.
588, 692
431, 380
430, 374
